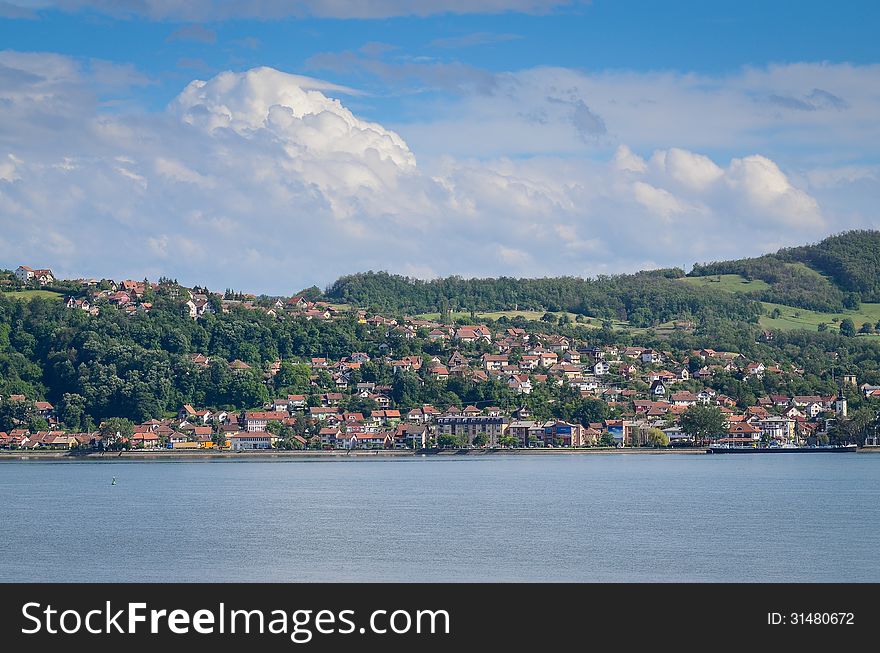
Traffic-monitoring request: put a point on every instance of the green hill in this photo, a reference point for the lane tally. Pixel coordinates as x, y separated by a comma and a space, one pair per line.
833, 275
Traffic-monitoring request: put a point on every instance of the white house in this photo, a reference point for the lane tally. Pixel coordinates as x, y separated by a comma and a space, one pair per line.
251, 441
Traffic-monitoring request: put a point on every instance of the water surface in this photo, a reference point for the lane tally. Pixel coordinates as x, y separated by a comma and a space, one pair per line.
799, 517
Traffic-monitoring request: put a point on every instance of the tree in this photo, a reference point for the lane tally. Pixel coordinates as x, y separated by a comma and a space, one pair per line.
657, 438
607, 440
852, 301
847, 328
294, 377
481, 440
447, 441
508, 441
703, 422
116, 433
854, 428
37, 423
14, 414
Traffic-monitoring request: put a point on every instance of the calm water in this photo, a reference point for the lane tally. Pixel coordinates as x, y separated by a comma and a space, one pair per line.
809, 517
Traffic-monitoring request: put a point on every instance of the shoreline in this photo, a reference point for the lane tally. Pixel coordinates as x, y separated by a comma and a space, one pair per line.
366, 454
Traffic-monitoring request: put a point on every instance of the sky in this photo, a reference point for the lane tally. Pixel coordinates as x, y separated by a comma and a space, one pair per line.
269, 145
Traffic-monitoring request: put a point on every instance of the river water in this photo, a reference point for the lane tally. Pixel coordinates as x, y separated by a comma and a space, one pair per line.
787, 518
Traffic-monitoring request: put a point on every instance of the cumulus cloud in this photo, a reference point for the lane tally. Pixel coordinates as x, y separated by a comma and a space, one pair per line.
267, 181
768, 190
694, 171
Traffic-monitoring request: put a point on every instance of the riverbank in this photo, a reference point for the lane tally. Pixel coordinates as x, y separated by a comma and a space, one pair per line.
362, 454
160, 455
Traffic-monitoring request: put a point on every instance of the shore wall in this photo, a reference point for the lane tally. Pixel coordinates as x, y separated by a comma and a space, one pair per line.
160, 455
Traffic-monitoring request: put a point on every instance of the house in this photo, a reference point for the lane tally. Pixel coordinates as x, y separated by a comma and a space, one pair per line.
389, 416
332, 436
684, 398
422, 415
651, 357
380, 440
252, 441
331, 398
529, 362
439, 372
742, 434
658, 388
601, 368
44, 409
521, 383
145, 440
26, 274
777, 428
437, 334
323, 412
566, 370
572, 356
296, 402
473, 334
258, 420
494, 361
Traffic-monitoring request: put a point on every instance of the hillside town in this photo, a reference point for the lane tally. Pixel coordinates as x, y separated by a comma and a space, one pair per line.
635, 396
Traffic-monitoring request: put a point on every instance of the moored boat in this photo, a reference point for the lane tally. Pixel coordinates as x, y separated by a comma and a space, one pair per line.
823, 448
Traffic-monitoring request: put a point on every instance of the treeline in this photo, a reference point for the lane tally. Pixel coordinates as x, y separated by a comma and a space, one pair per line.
644, 299
835, 274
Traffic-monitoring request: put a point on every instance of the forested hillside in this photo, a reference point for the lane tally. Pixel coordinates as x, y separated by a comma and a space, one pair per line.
643, 299
835, 274
851, 260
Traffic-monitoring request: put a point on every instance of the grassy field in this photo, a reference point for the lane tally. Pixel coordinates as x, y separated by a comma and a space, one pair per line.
31, 294
800, 318
728, 283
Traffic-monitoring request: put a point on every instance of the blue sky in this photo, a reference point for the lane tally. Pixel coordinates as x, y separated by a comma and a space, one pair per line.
526, 137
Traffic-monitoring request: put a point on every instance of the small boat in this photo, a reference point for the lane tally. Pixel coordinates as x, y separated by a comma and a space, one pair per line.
113, 482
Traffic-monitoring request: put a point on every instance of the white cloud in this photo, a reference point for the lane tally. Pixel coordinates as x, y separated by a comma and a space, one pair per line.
533, 111
692, 170
767, 189
658, 200
624, 159
263, 181
8, 168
